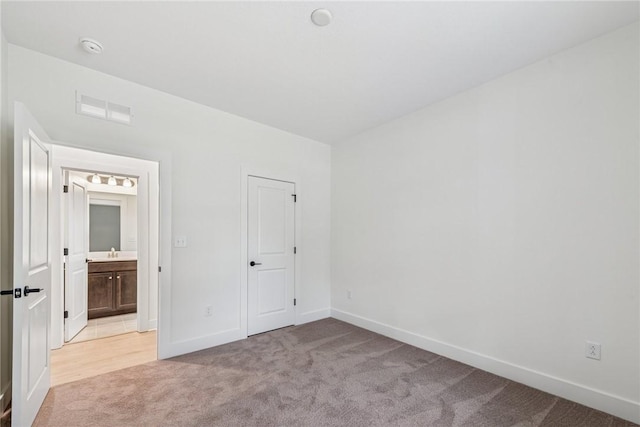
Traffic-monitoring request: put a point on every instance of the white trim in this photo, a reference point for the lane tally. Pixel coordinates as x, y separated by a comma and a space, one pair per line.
312, 316
153, 324
5, 396
600, 400
280, 174
178, 348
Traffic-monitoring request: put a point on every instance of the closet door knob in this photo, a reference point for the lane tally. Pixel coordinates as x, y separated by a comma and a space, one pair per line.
253, 263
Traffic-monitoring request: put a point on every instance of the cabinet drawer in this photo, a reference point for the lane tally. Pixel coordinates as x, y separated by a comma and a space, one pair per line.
103, 267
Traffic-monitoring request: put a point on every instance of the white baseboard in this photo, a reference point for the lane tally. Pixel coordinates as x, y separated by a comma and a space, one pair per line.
615, 405
177, 348
153, 324
5, 396
312, 316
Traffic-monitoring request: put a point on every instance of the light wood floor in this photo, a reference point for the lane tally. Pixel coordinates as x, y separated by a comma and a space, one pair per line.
87, 359
107, 327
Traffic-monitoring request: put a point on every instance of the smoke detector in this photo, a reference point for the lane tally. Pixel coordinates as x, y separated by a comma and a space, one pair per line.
91, 46
321, 17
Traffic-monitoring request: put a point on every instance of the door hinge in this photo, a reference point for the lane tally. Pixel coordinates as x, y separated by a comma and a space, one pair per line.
294, 301
66, 314
65, 251
65, 188
159, 269
295, 198
295, 250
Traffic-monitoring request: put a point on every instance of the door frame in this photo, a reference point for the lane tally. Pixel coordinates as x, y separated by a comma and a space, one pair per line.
154, 251
65, 158
276, 174
144, 287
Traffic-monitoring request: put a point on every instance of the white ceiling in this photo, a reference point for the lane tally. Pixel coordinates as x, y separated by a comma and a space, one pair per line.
267, 62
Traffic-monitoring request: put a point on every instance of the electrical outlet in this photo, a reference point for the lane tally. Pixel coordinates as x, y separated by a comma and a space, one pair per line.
180, 242
208, 311
349, 294
592, 350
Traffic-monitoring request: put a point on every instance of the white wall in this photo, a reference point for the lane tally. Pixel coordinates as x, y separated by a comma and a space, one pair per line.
208, 148
500, 226
6, 303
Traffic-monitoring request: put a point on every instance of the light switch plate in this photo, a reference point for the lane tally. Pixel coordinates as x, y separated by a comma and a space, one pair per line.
180, 242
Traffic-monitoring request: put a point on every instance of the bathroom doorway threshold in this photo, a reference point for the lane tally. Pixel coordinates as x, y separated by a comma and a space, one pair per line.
99, 356
104, 327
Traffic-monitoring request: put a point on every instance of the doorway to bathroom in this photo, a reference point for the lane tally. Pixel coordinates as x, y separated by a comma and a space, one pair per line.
100, 266
105, 291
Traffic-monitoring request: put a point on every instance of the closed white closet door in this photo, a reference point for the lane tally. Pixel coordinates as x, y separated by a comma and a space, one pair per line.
271, 224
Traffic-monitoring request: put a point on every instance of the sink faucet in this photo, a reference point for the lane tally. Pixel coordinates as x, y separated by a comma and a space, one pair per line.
113, 253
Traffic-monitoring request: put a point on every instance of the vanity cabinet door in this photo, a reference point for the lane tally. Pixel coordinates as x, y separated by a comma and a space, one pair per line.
101, 298
126, 290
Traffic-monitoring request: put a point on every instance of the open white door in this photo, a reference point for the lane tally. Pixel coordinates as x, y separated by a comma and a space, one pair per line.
271, 239
31, 268
75, 290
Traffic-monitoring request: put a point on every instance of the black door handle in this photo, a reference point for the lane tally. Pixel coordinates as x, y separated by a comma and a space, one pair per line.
253, 263
28, 290
17, 292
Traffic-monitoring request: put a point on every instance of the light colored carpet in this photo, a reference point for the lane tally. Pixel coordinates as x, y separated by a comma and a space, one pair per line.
325, 373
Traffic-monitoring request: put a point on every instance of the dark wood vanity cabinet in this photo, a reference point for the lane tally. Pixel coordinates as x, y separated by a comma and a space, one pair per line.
101, 300
113, 288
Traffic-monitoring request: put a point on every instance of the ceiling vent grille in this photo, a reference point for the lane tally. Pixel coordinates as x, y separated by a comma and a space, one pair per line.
101, 109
